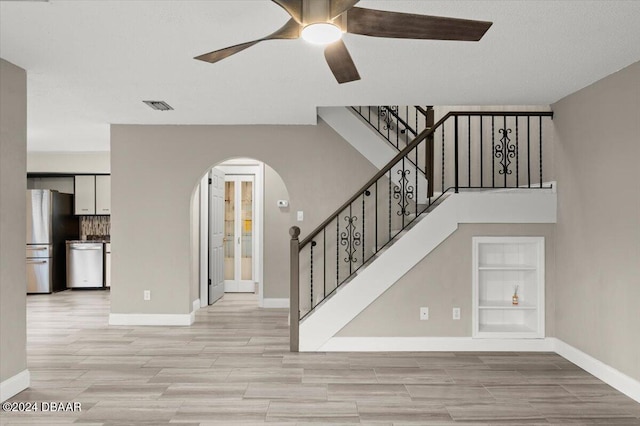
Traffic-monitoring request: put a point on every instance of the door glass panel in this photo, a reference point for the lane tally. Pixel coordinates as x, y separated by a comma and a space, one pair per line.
246, 267
229, 230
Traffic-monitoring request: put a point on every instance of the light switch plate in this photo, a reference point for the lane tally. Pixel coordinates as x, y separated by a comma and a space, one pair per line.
300, 215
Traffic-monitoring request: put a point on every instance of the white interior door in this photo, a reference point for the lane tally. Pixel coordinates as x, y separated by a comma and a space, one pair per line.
216, 235
239, 243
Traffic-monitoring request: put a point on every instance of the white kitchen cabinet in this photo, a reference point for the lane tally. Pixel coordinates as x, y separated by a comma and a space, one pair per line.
103, 194
500, 266
85, 195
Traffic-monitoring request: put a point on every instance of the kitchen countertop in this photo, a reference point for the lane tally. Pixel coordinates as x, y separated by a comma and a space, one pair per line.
88, 241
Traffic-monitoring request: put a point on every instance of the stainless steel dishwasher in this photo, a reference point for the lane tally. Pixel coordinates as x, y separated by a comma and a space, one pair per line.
84, 264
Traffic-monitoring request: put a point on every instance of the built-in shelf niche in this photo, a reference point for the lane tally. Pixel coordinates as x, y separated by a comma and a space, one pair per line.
499, 265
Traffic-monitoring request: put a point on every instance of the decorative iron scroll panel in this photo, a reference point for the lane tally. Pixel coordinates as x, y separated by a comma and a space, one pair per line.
350, 239
403, 192
505, 151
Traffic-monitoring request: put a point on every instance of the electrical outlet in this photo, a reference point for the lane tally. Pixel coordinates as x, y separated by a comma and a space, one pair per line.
456, 313
424, 314
147, 295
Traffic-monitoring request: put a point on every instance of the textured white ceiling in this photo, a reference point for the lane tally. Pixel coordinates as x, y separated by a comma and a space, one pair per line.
91, 63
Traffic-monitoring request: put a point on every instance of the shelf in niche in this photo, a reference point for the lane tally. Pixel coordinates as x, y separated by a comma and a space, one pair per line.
505, 328
507, 268
504, 304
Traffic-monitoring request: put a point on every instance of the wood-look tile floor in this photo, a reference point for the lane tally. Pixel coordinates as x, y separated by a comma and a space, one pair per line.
233, 366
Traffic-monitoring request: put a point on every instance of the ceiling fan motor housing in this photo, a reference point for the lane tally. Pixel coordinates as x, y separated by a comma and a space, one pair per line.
314, 11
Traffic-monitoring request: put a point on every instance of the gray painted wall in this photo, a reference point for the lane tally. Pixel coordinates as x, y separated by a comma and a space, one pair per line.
155, 170
13, 184
441, 281
598, 230
276, 236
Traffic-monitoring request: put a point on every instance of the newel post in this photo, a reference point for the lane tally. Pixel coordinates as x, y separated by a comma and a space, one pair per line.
429, 163
294, 290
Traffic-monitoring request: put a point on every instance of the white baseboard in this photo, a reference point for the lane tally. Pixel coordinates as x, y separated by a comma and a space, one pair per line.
275, 303
434, 344
599, 369
152, 319
196, 305
614, 378
14, 385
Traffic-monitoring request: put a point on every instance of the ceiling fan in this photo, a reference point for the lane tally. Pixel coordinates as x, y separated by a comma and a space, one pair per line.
324, 22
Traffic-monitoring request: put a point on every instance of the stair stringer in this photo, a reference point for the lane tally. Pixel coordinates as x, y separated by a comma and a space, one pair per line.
369, 143
518, 206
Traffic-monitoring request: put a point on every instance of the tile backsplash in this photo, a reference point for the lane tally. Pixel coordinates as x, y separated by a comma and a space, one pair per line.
95, 225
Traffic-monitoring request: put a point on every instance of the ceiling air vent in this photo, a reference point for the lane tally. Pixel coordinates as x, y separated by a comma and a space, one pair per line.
159, 105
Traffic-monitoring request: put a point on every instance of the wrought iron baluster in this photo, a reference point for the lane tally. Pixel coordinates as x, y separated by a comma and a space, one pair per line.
313, 244
417, 192
415, 111
337, 250
528, 151
442, 160
406, 133
517, 155
469, 147
397, 130
366, 193
455, 154
505, 140
505, 151
481, 156
540, 129
404, 192
376, 210
324, 262
389, 204
493, 149
350, 239
388, 128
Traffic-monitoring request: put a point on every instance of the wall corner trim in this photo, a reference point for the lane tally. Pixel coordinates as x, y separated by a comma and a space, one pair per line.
14, 385
196, 305
614, 378
152, 319
273, 303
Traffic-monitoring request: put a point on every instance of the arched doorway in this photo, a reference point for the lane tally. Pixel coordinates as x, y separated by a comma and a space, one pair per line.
240, 217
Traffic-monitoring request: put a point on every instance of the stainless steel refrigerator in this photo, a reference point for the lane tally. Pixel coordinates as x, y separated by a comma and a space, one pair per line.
50, 222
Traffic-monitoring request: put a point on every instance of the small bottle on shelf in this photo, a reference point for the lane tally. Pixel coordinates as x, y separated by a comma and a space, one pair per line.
514, 298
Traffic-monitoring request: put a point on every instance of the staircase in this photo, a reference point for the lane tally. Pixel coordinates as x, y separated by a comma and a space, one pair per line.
387, 218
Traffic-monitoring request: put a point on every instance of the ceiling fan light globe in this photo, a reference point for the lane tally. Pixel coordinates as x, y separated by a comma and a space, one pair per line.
321, 33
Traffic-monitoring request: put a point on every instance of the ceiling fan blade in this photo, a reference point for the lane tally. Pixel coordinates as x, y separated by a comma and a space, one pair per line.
290, 30
338, 7
379, 23
293, 8
340, 62
218, 55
